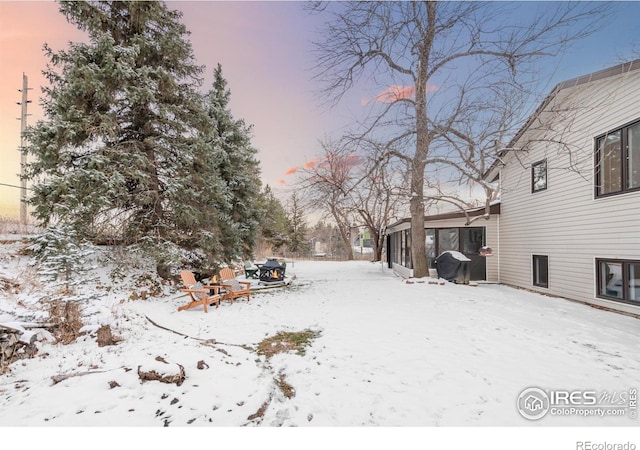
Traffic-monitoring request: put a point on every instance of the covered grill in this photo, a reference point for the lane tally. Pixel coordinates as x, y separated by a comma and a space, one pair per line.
454, 266
272, 270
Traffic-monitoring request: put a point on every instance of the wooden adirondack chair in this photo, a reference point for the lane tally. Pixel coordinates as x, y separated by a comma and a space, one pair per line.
199, 294
234, 288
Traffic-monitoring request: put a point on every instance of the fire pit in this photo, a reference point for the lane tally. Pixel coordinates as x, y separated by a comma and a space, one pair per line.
271, 271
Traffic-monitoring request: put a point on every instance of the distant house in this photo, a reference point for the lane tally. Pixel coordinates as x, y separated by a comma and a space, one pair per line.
569, 217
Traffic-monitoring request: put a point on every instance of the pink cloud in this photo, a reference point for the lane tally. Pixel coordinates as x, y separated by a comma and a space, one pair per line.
281, 182
347, 161
291, 170
396, 92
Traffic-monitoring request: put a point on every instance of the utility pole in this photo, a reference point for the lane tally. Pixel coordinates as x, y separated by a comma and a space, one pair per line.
23, 151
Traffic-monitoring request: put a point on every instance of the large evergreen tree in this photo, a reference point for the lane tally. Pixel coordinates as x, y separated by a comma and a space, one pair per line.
120, 149
228, 142
298, 243
275, 226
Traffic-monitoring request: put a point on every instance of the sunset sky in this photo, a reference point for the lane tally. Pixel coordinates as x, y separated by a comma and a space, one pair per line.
264, 49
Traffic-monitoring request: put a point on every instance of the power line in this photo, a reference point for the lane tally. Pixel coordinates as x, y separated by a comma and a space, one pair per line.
14, 186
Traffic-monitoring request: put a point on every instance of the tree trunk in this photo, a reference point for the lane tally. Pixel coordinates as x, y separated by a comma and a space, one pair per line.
154, 205
346, 239
343, 229
380, 244
416, 204
418, 236
377, 238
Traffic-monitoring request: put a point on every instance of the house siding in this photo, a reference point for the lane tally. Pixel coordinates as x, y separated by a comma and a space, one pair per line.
566, 221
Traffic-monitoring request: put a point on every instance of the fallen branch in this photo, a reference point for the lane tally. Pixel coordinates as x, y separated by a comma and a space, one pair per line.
58, 378
173, 331
26, 326
210, 342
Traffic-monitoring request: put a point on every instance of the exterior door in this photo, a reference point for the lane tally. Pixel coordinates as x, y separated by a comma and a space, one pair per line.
468, 241
472, 240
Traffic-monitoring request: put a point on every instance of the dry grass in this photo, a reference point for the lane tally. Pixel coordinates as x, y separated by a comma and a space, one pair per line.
259, 414
284, 342
8, 284
67, 319
284, 386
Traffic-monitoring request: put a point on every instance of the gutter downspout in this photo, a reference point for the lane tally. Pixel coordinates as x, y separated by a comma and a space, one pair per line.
498, 225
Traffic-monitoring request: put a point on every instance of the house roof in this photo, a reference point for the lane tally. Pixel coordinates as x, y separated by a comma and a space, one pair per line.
494, 209
620, 69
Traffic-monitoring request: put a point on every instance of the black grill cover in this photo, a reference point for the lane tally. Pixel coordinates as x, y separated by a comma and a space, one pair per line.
454, 266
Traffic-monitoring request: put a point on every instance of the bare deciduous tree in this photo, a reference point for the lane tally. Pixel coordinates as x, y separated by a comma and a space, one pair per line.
432, 61
377, 198
355, 190
327, 182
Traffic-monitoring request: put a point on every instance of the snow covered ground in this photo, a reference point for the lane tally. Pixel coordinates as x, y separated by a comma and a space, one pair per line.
387, 354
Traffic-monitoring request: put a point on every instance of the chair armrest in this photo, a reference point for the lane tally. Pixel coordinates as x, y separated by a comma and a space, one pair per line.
193, 290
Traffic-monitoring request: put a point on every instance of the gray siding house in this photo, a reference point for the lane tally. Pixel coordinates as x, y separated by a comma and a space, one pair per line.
568, 222
570, 193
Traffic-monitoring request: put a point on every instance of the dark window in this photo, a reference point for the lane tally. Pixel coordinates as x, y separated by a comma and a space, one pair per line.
609, 164
472, 240
633, 156
403, 247
633, 283
396, 242
448, 239
408, 261
541, 271
619, 280
430, 245
539, 176
617, 162
467, 240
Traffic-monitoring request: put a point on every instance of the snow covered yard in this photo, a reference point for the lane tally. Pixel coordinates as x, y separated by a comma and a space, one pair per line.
387, 353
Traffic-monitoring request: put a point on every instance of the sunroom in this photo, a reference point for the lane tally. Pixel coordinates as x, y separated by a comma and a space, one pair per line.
446, 232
